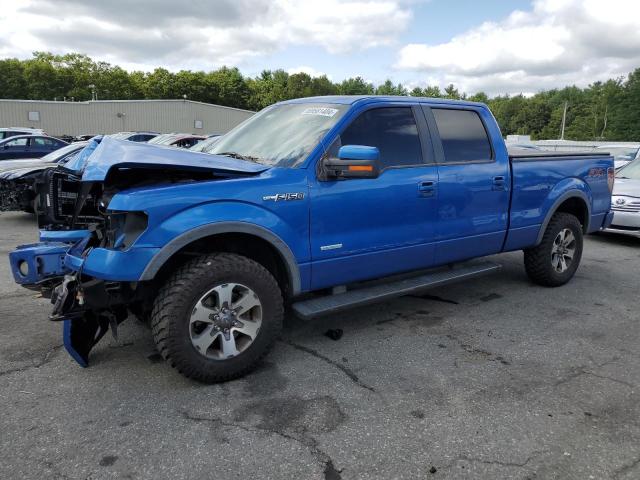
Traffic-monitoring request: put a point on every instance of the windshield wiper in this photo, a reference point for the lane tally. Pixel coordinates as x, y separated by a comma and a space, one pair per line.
240, 156
625, 178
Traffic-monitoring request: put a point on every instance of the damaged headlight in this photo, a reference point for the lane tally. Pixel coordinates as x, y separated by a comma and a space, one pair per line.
124, 228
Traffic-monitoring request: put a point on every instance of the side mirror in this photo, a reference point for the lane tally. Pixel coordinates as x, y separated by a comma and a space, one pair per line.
354, 161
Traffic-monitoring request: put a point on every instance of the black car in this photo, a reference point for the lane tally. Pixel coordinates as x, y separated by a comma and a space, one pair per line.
29, 146
17, 177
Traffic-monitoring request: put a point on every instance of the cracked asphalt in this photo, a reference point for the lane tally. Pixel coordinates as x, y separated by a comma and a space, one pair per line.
490, 379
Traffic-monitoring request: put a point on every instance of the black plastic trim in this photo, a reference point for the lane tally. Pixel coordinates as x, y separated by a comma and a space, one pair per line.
293, 272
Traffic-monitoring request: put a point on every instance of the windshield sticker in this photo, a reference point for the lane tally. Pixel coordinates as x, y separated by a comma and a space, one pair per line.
322, 111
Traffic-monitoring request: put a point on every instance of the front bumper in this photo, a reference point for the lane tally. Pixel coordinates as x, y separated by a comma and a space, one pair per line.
627, 223
56, 257
90, 288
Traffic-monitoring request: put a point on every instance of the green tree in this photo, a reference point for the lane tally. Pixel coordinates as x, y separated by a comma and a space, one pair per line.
355, 86
388, 88
12, 79
604, 110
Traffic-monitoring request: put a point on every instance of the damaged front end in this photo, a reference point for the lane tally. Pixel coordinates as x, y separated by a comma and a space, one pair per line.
74, 222
87, 306
89, 261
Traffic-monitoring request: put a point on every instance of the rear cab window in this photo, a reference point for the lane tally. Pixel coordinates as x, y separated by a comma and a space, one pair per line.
463, 136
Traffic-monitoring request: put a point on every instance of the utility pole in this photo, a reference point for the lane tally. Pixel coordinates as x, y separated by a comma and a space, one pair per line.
564, 119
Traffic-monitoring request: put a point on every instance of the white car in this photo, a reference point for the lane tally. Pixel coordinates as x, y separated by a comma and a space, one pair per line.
625, 200
13, 131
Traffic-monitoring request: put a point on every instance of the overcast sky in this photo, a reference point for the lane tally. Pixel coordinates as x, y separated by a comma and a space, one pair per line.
497, 46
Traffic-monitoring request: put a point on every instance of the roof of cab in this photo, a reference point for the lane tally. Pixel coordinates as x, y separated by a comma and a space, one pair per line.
351, 99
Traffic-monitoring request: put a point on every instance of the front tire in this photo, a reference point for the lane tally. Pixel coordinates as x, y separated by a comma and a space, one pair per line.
217, 317
556, 259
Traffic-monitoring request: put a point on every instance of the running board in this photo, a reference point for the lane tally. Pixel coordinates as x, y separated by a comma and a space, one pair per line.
318, 306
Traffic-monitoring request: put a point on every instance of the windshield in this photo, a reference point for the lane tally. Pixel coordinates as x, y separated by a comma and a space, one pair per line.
205, 145
622, 153
281, 135
630, 170
120, 135
61, 152
162, 139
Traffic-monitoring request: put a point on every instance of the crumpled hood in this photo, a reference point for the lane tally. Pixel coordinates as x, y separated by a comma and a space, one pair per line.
627, 187
104, 153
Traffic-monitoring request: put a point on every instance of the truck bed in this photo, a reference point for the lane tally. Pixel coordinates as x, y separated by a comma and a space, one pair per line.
523, 154
540, 178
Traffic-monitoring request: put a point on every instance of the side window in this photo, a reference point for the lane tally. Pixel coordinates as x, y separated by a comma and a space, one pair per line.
40, 142
18, 142
393, 130
463, 136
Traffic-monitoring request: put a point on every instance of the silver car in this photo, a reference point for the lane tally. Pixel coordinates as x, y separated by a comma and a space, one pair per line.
622, 154
625, 201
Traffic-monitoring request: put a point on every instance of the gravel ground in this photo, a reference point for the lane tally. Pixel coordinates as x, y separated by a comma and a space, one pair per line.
490, 379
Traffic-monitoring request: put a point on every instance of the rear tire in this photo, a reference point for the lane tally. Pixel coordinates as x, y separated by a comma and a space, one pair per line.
217, 316
556, 259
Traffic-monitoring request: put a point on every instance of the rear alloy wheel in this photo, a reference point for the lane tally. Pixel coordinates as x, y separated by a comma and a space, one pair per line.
217, 317
563, 250
555, 260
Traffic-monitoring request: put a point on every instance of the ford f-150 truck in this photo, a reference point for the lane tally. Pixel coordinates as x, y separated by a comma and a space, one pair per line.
320, 203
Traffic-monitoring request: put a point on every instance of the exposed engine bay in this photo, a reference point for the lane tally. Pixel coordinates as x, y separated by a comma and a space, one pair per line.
65, 202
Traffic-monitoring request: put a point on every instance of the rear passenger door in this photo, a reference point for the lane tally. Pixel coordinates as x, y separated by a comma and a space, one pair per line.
365, 228
474, 185
40, 146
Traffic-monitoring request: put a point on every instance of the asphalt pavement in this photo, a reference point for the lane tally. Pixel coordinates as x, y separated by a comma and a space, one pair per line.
495, 378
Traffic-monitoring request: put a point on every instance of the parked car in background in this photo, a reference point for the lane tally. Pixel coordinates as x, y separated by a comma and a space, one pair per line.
622, 154
179, 140
83, 138
13, 131
134, 136
18, 177
207, 144
625, 201
29, 146
54, 157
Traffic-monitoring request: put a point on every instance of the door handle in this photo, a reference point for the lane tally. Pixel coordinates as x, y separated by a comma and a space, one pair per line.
498, 183
427, 188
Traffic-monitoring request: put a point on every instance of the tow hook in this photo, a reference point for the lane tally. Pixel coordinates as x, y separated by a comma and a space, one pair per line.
60, 298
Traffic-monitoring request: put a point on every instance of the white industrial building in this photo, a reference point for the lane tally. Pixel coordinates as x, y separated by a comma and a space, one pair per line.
110, 116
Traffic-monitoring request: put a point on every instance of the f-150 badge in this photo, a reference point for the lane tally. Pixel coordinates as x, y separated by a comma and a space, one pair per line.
278, 197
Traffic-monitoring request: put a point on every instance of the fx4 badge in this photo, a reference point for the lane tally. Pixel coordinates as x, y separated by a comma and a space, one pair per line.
278, 197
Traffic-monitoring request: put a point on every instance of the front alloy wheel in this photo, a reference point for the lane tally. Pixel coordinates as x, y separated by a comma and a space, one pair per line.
217, 316
225, 321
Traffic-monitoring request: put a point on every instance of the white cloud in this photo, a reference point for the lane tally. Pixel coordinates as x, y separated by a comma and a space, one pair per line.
312, 72
558, 42
203, 34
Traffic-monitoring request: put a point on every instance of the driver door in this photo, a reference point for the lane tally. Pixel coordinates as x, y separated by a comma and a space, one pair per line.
363, 228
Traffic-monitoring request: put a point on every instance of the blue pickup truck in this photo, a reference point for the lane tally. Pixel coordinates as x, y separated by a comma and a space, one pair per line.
320, 204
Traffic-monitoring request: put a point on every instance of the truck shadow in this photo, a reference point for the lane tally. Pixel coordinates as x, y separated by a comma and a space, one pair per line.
616, 239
